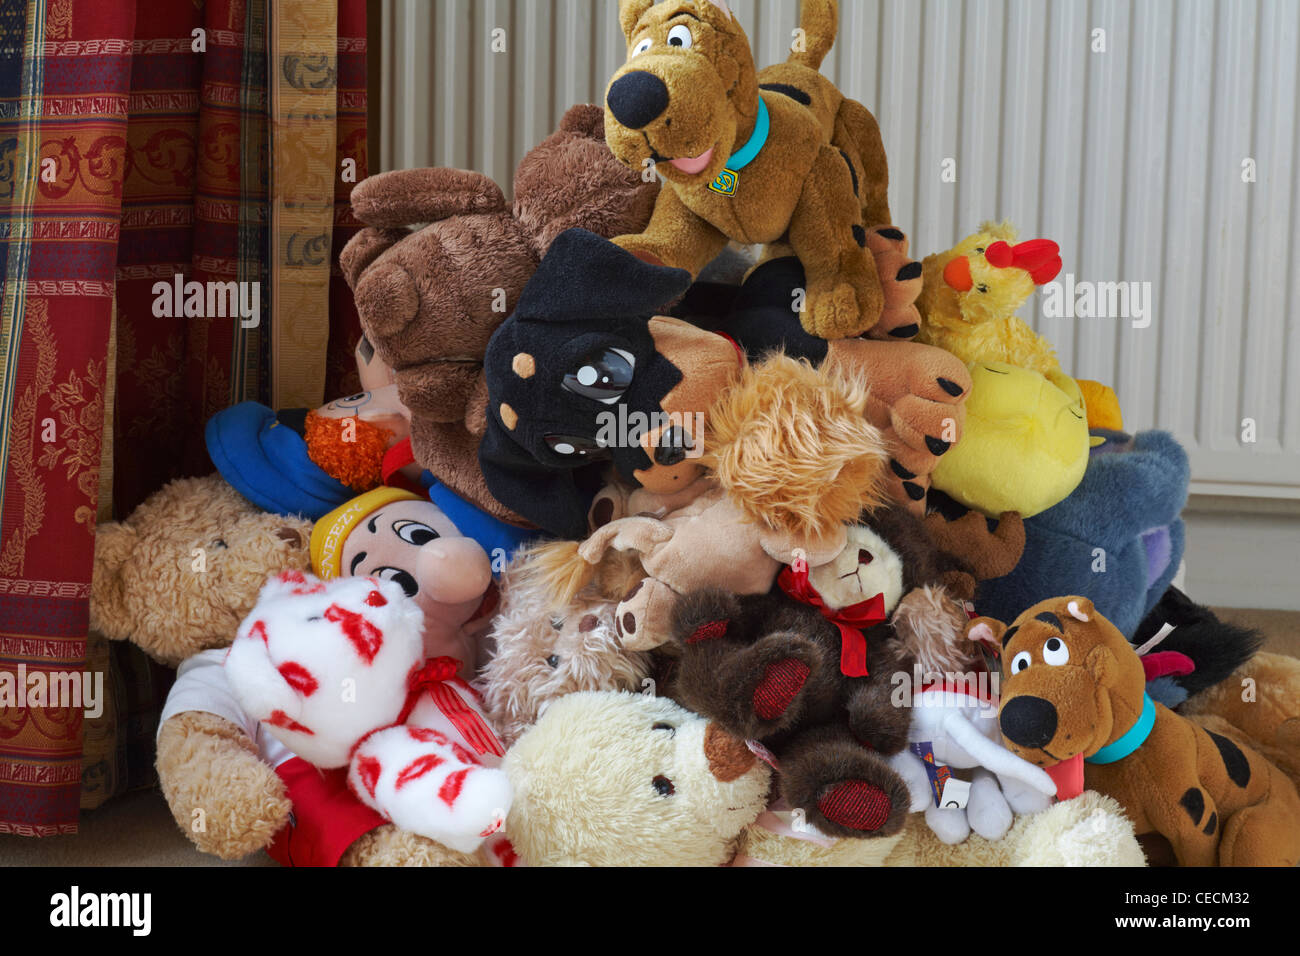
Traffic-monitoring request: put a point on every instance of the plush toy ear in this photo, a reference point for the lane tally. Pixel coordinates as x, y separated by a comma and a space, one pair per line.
548, 497
114, 543
786, 546
584, 276
986, 630
630, 12
1101, 662
1079, 608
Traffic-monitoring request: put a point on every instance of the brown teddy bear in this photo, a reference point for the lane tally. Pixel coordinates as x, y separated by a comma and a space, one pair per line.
806, 669
176, 578
429, 300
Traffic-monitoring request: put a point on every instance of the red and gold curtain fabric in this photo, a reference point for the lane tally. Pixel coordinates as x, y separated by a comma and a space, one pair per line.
137, 144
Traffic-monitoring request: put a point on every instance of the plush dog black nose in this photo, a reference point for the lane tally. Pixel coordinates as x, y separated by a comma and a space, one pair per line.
1029, 721
637, 98
672, 446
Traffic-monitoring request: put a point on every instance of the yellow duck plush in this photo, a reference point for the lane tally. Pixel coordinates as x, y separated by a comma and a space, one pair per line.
968, 302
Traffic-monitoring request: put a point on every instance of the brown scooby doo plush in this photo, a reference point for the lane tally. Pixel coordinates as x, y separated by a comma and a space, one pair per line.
755, 157
1073, 688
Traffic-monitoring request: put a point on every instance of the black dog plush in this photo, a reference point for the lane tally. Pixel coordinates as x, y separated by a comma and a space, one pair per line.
591, 369
584, 373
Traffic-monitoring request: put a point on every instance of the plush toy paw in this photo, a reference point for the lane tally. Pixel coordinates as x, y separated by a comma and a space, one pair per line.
767, 686
987, 809
389, 845
643, 619
223, 796
916, 400
833, 311
949, 824
844, 789
430, 786
900, 284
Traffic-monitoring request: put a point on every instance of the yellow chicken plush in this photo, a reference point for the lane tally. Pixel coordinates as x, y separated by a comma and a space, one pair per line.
969, 297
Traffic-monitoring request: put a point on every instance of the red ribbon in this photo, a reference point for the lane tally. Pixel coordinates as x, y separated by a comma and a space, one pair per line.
438, 679
851, 620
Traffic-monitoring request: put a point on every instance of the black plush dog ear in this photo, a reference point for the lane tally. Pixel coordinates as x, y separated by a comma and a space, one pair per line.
548, 497
584, 276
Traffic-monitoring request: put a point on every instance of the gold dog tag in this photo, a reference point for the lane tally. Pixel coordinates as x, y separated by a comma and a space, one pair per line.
725, 183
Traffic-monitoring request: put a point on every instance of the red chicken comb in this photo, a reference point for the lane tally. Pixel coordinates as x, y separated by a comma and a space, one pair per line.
1039, 257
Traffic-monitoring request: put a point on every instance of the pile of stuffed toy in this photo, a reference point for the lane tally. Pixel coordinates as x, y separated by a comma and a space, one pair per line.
660, 531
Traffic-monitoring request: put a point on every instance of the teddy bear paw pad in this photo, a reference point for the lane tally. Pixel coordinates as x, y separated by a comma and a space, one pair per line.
857, 805
780, 685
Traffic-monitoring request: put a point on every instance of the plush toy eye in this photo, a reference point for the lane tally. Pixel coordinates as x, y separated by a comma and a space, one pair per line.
641, 47
574, 446
1020, 662
404, 578
218, 543
982, 287
668, 727
1055, 652
603, 374
413, 532
865, 556
553, 661
979, 250
557, 623
663, 786
680, 35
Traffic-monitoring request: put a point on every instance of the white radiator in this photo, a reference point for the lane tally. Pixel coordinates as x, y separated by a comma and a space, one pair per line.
1133, 159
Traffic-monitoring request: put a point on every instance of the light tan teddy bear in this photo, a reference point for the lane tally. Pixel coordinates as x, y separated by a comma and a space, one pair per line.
176, 578
676, 790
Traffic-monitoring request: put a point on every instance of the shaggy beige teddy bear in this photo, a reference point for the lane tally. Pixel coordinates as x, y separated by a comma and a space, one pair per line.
176, 578
543, 648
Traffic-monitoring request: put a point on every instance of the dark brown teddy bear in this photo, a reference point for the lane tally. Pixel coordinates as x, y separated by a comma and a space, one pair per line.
806, 669
429, 300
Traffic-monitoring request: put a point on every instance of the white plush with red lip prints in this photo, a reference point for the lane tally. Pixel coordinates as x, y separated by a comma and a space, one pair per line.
327, 666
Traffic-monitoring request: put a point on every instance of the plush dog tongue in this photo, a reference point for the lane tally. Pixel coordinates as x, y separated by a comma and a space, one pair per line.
692, 165
1068, 777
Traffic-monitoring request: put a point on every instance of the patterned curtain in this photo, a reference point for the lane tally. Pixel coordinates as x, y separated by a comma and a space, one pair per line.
138, 142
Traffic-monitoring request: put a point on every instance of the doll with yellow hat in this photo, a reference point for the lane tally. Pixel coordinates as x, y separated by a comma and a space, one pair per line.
439, 548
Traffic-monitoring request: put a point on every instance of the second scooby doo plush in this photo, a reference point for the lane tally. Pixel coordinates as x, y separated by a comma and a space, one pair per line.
755, 157
1073, 688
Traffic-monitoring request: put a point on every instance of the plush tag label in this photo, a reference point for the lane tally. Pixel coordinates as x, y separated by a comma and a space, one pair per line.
956, 794
938, 773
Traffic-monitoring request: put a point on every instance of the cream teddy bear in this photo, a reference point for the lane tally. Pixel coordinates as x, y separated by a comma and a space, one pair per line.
675, 790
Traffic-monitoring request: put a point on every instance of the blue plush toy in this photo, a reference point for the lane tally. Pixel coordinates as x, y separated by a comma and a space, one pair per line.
1117, 539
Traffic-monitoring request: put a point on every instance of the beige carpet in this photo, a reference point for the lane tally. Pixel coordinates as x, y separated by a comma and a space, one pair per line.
137, 830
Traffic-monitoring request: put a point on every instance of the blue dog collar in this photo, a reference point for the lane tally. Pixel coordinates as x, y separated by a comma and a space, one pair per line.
1132, 739
725, 182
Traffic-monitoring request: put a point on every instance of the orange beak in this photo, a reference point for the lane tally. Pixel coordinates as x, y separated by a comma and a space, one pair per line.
957, 274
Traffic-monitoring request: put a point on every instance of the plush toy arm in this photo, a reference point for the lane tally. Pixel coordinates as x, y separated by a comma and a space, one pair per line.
426, 784
636, 533
675, 237
996, 758
221, 793
404, 196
